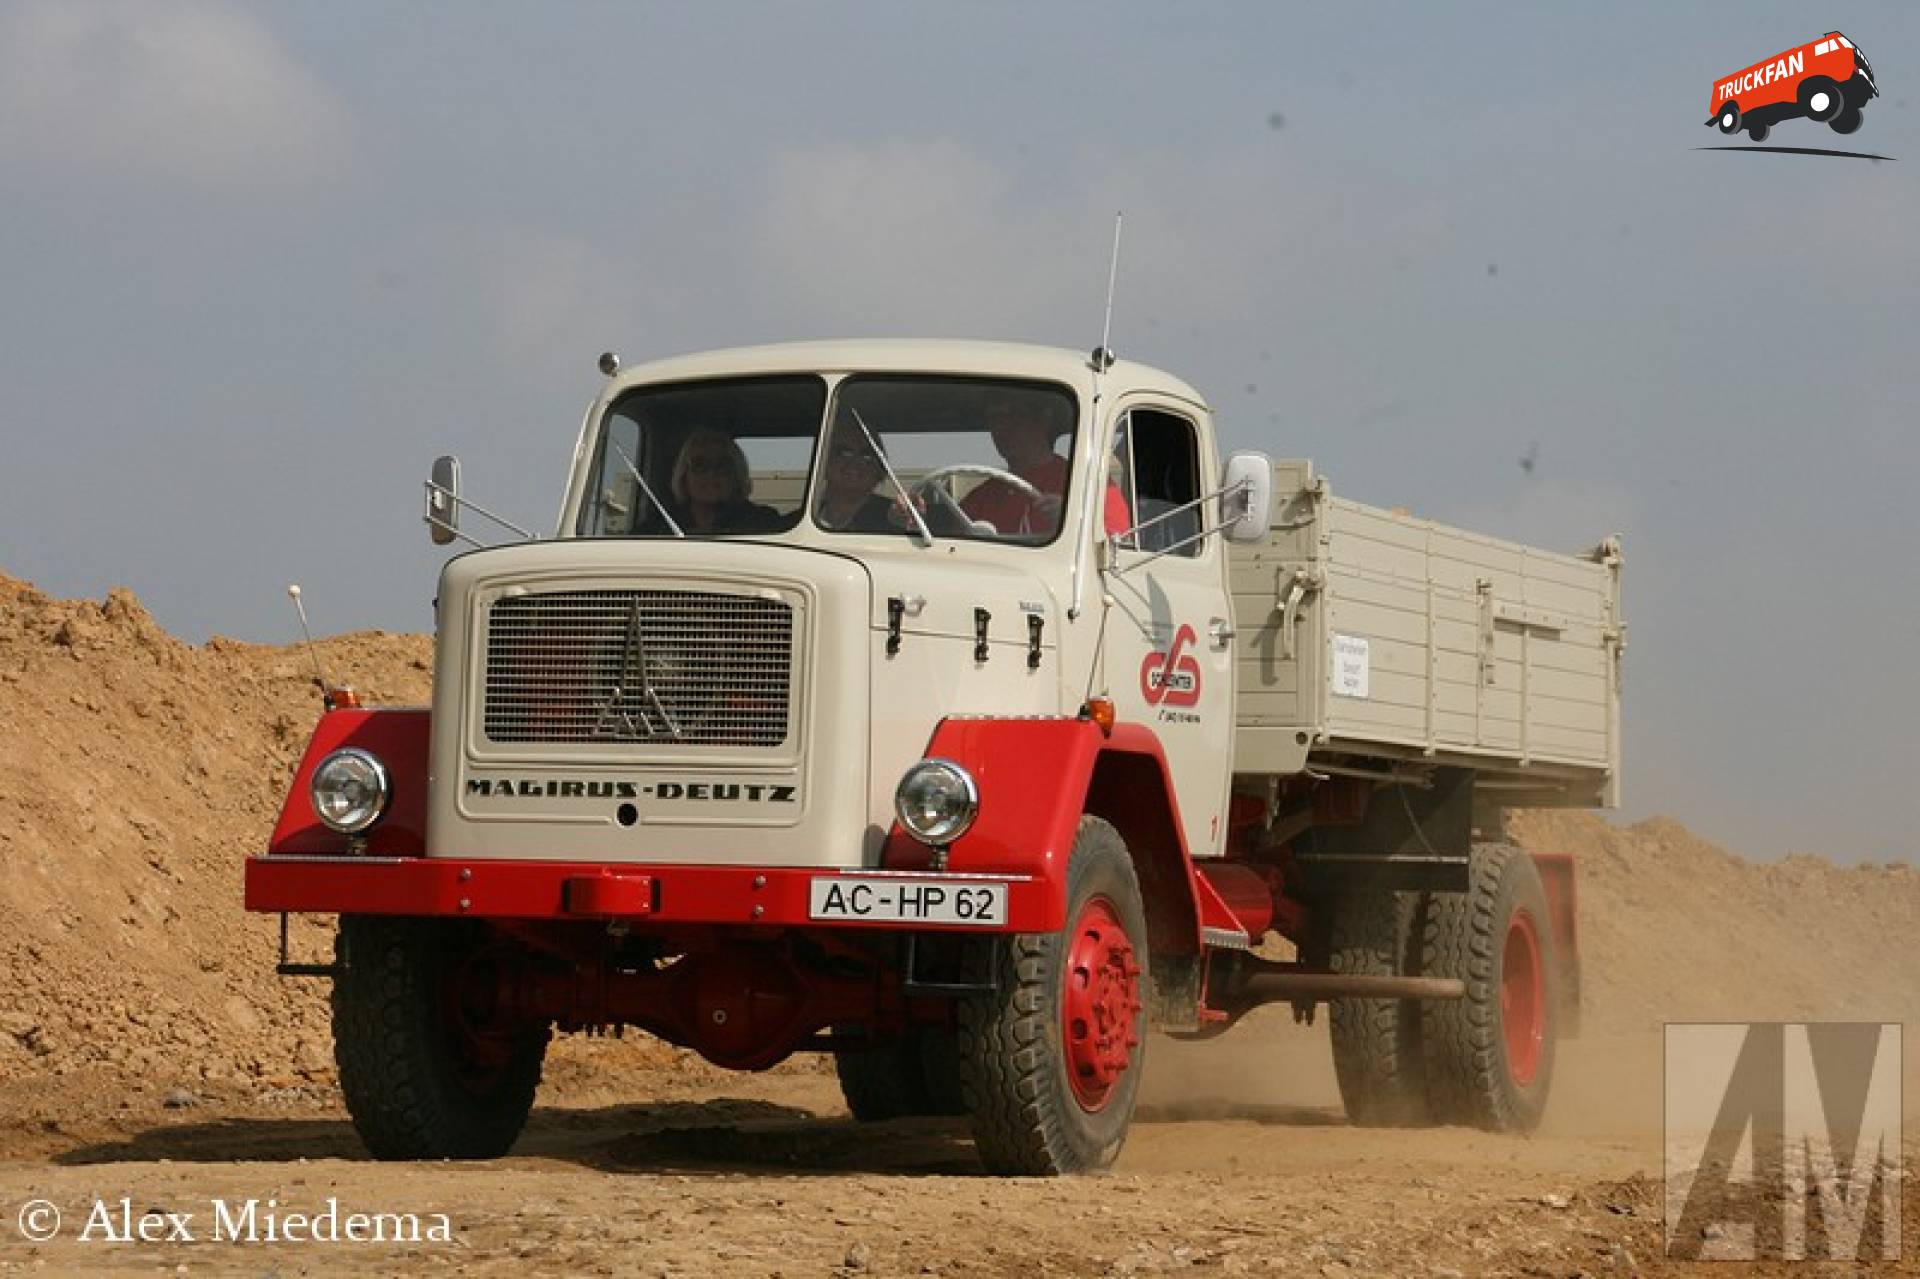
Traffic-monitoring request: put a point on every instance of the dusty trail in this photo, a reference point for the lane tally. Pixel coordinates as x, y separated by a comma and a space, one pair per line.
144, 769
1242, 1163
768, 1176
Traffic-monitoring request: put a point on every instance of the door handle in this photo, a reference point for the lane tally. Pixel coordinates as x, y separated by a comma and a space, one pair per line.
1221, 632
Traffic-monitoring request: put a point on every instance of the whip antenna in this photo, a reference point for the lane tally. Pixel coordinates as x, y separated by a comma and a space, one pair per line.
320, 676
1113, 274
1102, 361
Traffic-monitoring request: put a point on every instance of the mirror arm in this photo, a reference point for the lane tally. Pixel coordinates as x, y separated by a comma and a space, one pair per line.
1184, 507
456, 500
434, 521
1118, 568
1205, 533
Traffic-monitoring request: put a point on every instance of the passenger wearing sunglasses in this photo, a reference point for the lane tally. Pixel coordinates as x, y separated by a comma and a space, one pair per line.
711, 485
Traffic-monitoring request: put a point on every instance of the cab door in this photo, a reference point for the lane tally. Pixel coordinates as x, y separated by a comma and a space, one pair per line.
1169, 639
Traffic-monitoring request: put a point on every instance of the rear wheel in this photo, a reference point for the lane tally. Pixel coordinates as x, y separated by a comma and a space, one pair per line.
1758, 131
1730, 118
915, 1074
1489, 1056
1050, 1062
427, 1067
1376, 1042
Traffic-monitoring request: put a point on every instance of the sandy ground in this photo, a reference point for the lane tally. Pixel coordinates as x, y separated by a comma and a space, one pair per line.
1242, 1164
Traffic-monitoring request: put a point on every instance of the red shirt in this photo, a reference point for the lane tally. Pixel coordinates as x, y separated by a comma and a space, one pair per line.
1012, 512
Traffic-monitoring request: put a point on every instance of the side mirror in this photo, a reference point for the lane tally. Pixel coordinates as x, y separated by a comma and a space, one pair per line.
1247, 503
443, 500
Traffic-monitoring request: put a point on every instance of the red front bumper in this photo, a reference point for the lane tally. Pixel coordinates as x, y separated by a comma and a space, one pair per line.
640, 895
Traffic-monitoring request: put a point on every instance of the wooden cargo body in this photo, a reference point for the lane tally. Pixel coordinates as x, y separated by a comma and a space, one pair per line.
1369, 635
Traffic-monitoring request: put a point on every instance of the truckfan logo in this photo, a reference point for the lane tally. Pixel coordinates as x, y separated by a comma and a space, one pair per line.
1172, 678
1828, 81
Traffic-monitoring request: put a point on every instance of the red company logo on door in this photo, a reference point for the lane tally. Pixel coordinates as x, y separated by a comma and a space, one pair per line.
1172, 678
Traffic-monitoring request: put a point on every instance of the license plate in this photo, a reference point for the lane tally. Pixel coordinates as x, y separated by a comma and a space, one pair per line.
911, 901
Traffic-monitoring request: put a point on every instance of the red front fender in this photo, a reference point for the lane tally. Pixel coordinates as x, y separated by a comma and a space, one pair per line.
398, 737
1037, 777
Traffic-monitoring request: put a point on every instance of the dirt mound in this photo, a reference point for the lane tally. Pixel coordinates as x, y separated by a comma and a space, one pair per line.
1673, 928
141, 771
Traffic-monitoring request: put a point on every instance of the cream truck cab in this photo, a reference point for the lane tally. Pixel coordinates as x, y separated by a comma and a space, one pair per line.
955, 708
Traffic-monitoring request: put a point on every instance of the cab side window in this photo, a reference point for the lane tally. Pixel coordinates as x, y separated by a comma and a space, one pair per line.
1157, 455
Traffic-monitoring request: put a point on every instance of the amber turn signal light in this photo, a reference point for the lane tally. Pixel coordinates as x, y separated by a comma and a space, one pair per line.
1100, 711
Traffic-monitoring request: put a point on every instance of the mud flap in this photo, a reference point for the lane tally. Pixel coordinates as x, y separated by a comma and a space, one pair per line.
1558, 879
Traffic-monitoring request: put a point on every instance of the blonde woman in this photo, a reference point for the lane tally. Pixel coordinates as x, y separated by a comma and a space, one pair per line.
711, 486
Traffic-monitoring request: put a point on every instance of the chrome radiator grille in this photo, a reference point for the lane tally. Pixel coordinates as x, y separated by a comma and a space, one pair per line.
687, 667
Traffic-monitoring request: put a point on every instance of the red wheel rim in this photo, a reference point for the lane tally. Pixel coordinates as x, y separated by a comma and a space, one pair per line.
1523, 1003
1100, 1015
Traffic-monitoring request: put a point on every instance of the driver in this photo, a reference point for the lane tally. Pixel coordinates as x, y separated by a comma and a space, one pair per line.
1024, 426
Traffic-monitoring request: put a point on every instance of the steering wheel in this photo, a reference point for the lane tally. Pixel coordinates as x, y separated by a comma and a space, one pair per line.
932, 481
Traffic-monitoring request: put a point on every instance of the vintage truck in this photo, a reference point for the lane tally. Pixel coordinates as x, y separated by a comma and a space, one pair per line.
956, 709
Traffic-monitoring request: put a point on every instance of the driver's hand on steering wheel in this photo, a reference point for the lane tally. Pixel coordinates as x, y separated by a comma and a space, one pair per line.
897, 513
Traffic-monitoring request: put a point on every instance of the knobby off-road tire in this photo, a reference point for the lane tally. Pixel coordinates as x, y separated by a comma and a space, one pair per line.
1050, 1063
916, 1074
414, 1081
1489, 1057
1376, 1042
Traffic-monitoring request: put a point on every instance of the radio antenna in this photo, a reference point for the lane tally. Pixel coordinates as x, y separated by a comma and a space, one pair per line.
320, 676
1102, 361
1113, 275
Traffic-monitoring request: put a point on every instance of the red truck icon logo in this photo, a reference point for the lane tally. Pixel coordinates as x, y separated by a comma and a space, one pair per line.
1828, 80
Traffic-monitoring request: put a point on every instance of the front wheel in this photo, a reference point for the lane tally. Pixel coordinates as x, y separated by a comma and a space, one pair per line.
1050, 1062
1848, 121
427, 1067
1489, 1056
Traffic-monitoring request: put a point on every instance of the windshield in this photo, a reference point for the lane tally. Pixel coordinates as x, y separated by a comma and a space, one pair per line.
704, 458
975, 458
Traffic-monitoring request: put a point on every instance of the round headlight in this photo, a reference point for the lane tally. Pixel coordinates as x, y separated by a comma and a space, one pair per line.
350, 790
936, 800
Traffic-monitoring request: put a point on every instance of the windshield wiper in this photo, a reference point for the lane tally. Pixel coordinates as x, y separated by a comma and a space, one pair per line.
906, 498
646, 488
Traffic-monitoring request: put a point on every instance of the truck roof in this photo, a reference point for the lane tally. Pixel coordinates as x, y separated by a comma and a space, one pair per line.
910, 355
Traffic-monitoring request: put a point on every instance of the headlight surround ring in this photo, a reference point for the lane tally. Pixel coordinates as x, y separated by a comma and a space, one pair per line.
936, 801
350, 790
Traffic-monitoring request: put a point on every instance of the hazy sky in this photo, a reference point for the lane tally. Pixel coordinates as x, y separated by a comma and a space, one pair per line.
263, 261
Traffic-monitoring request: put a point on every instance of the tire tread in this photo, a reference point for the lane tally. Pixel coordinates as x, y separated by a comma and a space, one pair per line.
1465, 1052
1012, 1079
383, 1005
